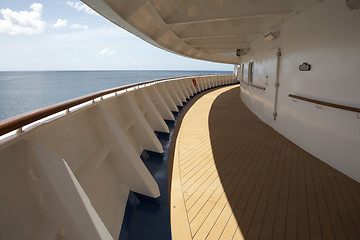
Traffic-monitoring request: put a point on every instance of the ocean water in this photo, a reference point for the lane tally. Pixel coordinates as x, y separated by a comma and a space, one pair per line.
21, 92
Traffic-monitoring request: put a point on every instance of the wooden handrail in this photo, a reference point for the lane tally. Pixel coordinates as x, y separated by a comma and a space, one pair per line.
21, 120
352, 109
253, 85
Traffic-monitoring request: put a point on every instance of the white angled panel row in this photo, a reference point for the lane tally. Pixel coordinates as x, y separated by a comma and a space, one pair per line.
70, 178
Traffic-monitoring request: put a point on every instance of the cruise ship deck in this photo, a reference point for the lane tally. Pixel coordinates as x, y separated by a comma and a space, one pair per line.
234, 177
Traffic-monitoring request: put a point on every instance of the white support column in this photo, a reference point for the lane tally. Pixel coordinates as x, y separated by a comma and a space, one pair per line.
178, 90
234, 80
214, 81
159, 103
201, 83
183, 89
150, 112
207, 82
190, 84
143, 131
183, 82
132, 121
65, 202
166, 96
211, 81
228, 79
172, 93
123, 157
218, 81
198, 84
204, 79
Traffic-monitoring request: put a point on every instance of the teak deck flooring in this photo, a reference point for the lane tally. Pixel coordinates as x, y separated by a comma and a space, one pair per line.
234, 177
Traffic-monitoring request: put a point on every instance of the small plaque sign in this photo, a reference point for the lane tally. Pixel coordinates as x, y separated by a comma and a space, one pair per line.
304, 67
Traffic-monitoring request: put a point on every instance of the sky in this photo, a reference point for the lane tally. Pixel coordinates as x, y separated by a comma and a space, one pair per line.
67, 35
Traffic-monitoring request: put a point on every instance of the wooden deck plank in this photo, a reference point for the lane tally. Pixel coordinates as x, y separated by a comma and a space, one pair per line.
355, 195
313, 214
222, 144
225, 182
256, 189
238, 235
194, 155
225, 217
220, 223
259, 213
281, 211
211, 218
213, 191
322, 206
302, 206
336, 221
203, 161
241, 179
291, 213
269, 220
196, 223
196, 172
217, 170
342, 209
350, 204
230, 229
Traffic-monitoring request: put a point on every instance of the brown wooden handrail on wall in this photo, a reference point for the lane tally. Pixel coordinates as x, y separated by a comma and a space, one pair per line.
252, 85
352, 109
24, 119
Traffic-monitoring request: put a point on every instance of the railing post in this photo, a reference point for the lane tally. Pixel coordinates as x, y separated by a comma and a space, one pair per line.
19, 131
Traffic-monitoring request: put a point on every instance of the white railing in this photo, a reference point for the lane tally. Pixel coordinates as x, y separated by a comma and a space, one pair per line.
59, 162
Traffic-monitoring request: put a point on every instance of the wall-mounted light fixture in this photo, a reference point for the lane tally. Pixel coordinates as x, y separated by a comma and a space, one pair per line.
241, 51
270, 36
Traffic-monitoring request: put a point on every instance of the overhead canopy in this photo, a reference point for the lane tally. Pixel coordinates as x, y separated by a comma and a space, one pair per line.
204, 29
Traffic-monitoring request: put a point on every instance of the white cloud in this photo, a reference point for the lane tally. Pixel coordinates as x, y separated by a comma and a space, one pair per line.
81, 7
79, 26
60, 23
107, 52
22, 22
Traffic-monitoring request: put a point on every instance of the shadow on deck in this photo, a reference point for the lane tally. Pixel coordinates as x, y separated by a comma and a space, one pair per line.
274, 189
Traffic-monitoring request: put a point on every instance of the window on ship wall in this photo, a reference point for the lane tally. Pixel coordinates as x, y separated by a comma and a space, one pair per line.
251, 72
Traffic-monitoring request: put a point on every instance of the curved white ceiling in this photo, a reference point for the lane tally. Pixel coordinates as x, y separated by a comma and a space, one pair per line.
204, 29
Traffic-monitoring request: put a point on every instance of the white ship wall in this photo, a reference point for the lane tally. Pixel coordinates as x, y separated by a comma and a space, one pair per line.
327, 36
